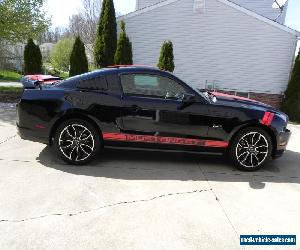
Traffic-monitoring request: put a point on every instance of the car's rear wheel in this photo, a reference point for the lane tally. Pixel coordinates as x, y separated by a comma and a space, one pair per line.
76, 141
250, 149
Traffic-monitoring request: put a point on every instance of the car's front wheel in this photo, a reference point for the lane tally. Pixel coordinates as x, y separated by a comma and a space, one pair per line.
76, 141
250, 149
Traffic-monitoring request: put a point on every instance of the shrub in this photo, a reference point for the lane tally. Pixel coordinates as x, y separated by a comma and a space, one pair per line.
32, 58
291, 103
78, 60
166, 59
106, 39
123, 54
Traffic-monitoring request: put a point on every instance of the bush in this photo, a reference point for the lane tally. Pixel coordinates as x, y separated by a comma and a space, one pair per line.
32, 58
291, 103
166, 59
78, 60
123, 54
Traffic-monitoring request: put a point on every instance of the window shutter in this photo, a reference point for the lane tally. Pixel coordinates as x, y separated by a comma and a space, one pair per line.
199, 6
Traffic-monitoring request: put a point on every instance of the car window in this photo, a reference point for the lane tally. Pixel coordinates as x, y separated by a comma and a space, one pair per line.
152, 86
98, 83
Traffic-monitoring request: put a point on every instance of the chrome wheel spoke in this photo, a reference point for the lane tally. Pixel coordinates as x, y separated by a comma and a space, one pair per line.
85, 145
257, 141
83, 150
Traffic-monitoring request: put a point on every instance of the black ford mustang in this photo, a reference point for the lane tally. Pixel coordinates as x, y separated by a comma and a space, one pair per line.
144, 107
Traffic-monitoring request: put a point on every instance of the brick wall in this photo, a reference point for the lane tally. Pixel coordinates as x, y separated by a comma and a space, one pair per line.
271, 99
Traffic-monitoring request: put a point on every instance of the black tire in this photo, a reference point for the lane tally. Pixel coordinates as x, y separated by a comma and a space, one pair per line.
250, 149
77, 141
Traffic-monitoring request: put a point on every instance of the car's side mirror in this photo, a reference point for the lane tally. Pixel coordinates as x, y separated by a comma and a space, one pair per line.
187, 100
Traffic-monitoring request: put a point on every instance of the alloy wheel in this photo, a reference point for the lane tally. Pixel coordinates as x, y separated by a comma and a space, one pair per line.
252, 149
76, 142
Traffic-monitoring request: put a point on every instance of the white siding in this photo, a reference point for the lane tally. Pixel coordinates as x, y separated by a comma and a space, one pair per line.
263, 7
140, 4
224, 44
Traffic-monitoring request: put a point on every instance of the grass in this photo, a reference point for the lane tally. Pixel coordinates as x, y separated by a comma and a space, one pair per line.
10, 89
6, 75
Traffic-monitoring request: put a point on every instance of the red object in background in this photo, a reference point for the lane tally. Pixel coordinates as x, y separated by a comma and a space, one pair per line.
46, 79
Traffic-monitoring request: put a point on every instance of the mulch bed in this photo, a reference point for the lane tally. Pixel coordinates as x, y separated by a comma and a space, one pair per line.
10, 96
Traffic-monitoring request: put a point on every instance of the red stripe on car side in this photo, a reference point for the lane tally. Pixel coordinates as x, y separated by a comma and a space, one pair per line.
164, 140
267, 118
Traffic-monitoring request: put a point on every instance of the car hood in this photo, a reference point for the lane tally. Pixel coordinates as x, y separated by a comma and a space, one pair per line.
237, 101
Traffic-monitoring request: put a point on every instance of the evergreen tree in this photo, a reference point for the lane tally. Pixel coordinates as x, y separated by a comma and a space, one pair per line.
78, 60
32, 58
291, 103
166, 59
123, 54
106, 40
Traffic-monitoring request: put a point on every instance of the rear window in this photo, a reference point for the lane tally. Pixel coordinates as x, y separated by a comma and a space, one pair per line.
98, 83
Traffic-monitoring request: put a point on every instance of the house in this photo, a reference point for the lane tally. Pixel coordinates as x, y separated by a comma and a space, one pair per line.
11, 56
237, 46
46, 49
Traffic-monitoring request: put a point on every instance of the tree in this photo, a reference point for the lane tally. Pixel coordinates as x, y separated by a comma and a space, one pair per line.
20, 20
60, 55
291, 103
84, 24
32, 58
123, 54
78, 60
106, 39
166, 58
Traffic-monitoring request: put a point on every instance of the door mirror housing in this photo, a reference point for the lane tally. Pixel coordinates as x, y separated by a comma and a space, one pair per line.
189, 98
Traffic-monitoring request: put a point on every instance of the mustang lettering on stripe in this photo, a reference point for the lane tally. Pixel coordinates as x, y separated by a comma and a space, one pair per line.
164, 140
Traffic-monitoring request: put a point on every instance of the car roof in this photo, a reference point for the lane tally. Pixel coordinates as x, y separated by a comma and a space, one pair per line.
118, 69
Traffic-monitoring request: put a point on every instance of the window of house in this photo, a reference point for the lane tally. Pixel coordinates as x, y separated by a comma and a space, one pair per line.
98, 83
151, 86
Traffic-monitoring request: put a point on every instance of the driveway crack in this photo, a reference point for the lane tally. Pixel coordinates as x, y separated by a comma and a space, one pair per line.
8, 139
106, 206
220, 204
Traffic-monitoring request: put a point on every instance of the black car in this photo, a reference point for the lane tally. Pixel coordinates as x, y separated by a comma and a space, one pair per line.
143, 107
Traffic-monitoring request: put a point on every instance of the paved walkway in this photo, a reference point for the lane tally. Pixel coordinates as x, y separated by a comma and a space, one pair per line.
10, 84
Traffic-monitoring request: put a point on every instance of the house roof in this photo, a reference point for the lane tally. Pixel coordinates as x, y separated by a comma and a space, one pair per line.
226, 2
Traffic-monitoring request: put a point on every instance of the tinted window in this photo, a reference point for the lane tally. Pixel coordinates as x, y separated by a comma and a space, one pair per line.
98, 83
151, 85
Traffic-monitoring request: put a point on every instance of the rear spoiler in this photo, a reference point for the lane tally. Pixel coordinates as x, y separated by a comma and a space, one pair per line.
29, 84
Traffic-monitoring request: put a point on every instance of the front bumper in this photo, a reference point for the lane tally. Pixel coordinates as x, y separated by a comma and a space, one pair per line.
282, 142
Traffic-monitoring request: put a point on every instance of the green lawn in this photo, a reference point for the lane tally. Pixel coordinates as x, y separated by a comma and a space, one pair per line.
6, 75
10, 89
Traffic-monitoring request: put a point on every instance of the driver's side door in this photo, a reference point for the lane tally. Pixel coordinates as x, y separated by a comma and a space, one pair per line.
150, 105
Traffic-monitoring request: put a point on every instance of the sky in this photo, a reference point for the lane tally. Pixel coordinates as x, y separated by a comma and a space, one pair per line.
60, 10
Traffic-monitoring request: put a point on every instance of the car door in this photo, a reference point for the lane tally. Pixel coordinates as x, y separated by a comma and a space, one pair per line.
152, 105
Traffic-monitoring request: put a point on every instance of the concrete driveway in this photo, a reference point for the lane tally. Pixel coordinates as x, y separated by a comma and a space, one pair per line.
140, 200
